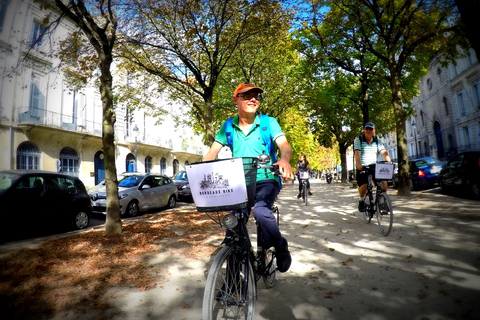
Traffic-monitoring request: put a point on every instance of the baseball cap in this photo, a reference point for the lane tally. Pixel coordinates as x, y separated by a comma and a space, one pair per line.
246, 86
369, 125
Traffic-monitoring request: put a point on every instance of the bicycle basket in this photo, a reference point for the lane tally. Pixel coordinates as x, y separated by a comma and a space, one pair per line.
223, 185
383, 171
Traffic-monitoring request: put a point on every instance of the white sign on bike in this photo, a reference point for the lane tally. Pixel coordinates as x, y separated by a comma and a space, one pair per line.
383, 171
303, 174
217, 183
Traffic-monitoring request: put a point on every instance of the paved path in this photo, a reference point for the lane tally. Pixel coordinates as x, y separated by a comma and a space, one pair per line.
427, 268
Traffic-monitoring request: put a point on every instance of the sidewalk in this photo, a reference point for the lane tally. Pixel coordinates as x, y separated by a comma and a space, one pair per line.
427, 268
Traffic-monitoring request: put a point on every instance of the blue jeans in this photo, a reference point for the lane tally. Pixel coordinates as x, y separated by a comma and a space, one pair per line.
266, 193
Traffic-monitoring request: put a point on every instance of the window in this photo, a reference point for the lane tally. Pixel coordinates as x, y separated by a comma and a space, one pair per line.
69, 161
445, 105
37, 98
3, 12
476, 95
27, 156
462, 103
37, 35
429, 84
163, 166
148, 164
175, 166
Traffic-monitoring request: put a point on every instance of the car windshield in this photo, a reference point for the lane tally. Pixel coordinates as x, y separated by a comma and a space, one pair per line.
130, 181
6, 180
182, 175
424, 162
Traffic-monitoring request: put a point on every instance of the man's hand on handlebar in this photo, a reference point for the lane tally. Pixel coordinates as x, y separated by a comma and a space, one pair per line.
285, 169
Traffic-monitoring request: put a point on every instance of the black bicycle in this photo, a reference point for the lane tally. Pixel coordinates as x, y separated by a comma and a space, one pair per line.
380, 204
303, 177
231, 286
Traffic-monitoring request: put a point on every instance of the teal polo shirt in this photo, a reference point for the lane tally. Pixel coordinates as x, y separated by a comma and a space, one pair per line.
251, 144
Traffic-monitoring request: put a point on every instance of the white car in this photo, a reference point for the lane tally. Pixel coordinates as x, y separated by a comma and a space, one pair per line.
138, 192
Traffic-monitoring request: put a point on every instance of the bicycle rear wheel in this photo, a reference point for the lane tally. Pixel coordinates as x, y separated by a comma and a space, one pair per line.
230, 289
368, 202
270, 275
384, 213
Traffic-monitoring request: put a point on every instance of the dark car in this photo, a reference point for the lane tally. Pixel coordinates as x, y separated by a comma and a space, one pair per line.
33, 199
181, 181
423, 173
462, 173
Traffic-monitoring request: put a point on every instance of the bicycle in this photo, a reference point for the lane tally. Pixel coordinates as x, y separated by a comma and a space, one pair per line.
303, 177
380, 205
231, 285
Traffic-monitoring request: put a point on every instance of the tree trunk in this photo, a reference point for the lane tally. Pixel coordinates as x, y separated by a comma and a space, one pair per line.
403, 178
113, 222
342, 147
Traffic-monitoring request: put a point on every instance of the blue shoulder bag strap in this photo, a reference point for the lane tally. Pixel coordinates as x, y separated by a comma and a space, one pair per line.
267, 139
229, 133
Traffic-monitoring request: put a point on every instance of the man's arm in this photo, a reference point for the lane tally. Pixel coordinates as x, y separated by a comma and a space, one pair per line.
213, 152
386, 155
285, 157
358, 161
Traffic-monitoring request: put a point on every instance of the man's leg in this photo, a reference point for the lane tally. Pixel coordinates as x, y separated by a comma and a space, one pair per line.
266, 194
362, 189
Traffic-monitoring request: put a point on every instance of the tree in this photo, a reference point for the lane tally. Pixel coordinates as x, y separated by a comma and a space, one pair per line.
188, 44
403, 36
98, 22
469, 11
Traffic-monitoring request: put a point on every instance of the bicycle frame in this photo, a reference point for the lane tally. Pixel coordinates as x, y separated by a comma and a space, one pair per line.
379, 204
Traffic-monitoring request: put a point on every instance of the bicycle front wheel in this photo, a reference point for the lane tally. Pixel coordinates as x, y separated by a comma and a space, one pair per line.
230, 291
384, 213
305, 195
368, 207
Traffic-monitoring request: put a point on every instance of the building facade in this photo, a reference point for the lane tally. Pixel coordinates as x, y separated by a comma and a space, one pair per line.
446, 117
46, 125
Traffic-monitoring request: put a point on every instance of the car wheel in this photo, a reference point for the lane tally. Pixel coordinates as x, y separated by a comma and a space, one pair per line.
443, 187
412, 185
172, 202
394, 184
132, 209
476, 190
80, 220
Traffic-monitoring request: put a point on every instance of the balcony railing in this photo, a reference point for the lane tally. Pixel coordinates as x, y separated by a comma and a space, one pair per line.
35, 116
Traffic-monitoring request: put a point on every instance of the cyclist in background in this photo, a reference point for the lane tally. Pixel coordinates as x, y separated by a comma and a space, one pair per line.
302, 166
366, 149
248, 142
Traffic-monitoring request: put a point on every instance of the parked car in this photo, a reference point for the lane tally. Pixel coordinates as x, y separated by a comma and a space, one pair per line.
35, 199
137, 192
462, 173
181, 181
423, 173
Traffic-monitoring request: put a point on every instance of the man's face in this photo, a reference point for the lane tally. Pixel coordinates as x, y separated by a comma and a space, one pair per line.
247, 102
368, 131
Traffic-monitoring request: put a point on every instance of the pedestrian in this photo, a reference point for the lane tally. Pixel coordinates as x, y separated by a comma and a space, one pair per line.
303, 166
366, 149
247, 142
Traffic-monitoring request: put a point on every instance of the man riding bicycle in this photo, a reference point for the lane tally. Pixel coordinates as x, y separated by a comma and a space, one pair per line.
248, 142
366, 148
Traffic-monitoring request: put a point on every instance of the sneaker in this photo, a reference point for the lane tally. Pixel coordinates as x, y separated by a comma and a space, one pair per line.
299, 195
284, 259
310, 193
361, 206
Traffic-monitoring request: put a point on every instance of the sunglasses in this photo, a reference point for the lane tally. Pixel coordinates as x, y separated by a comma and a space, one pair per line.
369, 129
248, 96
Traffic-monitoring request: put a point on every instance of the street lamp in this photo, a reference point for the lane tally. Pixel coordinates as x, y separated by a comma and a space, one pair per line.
414, 127
135, 132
